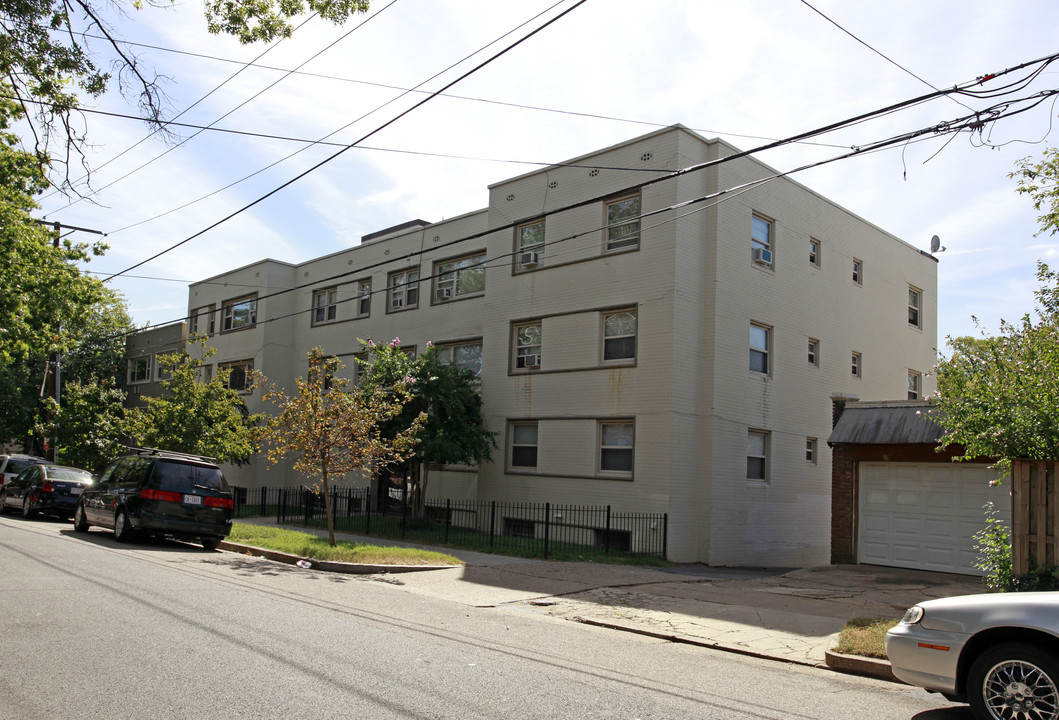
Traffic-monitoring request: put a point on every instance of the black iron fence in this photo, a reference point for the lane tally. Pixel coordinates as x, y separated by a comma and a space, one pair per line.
529, 529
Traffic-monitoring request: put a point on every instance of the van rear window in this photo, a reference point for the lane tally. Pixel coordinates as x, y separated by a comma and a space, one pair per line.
184, 477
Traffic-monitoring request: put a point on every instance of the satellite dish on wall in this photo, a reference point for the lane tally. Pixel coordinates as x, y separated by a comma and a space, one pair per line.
935, 245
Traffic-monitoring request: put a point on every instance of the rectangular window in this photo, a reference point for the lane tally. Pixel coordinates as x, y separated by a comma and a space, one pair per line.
616, 447
810, 450
459, 278
239, 314
239, 374
856, 364
325, 307
139, 369
467, 356
914, 298
364, 298
404, 289
914, 384
524, 445
759, 348
814, 252
814, 352
858, 271
623, 223
619, 336
761, 240
530, 244
528, 346
203, 321
757, 448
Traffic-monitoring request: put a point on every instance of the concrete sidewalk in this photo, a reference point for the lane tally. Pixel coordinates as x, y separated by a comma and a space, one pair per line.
788, 615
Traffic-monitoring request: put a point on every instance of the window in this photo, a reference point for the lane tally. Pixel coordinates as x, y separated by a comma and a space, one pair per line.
325, 308
856, 364
759, 348
139, 369
364, 298
467, 356
858, 271
814, 352
239, 314
761, 240
757, 447
460, 277
528, 346
623, 223
914, 297
814, 252
615, 447
524, 445
203, 321
619, 336
530, 243
239, 374
404, 289
914, 384
810, 450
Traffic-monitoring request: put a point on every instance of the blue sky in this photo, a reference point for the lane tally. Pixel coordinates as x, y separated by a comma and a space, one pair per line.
609, 71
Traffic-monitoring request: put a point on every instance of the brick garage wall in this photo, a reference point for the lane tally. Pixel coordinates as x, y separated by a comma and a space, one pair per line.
845, 487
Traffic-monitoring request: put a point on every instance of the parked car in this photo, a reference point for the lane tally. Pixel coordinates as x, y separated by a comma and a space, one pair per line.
46, 488
11, 465
159, 493
998, 652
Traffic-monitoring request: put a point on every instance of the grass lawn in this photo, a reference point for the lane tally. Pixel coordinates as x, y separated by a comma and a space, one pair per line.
310, 546
865, 636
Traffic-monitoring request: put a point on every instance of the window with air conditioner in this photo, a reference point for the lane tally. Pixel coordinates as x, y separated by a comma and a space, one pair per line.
404, 289
527, 346
530, 243
459, 278
761, 231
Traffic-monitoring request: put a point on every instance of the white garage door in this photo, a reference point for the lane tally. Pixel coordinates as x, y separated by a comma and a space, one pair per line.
923, 516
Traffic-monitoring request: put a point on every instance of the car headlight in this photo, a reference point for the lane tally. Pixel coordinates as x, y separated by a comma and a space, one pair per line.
912, 616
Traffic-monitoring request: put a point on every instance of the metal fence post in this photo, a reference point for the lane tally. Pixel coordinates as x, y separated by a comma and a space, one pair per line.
606, 534
492, 523
665, 536
448, 517
264, 499
547, 526
367, 509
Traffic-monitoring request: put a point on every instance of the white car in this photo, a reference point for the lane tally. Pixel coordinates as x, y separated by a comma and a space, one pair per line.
998, 652
12, 465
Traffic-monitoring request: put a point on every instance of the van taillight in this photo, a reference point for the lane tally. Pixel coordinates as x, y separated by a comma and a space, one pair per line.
148, 494
218, 502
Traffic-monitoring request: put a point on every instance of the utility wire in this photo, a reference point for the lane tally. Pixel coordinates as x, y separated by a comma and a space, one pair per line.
377, 130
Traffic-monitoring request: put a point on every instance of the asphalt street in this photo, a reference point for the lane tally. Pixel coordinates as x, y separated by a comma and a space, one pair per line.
92, 628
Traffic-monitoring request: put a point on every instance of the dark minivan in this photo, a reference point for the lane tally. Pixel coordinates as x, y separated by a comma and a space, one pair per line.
160, 493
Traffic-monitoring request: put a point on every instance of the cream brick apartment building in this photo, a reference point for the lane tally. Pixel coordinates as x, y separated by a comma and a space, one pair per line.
632, 351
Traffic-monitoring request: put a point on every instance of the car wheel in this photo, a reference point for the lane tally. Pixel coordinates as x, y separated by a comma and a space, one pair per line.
80, 523
1014, 680
27, 507
210, 543
122, 528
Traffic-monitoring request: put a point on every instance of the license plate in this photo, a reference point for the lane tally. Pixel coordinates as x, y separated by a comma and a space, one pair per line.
192, 500
76, 491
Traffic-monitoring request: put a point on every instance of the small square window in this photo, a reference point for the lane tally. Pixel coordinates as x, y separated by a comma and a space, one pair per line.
616, 447
814, 252
623, 223
404, 289
858, 271
814, 352
325, 305
757, 446
528, 346
203, 321
139, 369
466, 355
856, 364
240, 375
914, 299
810, 450
239, 314
619, 336
915, 382
524, 445
759, 348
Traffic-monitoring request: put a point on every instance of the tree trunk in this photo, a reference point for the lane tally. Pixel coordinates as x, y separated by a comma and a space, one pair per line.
327, 507
421, 495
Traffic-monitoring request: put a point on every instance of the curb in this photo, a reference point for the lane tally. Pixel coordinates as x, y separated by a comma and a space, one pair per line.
328, 565
857, 665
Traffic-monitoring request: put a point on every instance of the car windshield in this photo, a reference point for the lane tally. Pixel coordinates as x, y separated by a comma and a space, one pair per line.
186, 477
69, 474
17, 465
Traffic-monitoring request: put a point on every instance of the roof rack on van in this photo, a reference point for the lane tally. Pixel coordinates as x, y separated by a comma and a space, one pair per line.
169, 453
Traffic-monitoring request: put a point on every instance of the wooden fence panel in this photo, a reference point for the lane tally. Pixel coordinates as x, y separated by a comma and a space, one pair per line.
1034, 515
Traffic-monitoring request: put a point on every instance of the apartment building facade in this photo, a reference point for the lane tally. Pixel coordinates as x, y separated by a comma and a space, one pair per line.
640, 340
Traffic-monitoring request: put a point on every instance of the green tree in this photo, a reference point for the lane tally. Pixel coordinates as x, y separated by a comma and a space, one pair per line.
90, 426
447, 395
195, 416
1040, 180
999, 396
332, 431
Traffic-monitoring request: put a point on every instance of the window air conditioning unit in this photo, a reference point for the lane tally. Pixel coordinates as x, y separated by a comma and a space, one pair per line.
762, 256
396, 302
529, 259
444, 293
528, 361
